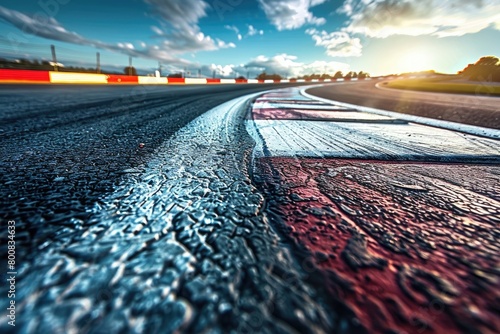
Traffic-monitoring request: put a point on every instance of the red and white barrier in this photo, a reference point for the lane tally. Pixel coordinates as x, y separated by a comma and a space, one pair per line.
53, 77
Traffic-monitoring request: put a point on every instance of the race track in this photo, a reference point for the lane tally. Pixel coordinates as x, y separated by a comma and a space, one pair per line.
466, 109
135, 212
219, 209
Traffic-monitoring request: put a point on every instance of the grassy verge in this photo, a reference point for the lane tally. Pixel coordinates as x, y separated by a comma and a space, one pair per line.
444, 85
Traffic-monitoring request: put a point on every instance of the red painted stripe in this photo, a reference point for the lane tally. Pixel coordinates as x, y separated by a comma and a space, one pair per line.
241, 81
24, 76
387, 261
293, 80
176, 80
261, 81
123, 79
212, 81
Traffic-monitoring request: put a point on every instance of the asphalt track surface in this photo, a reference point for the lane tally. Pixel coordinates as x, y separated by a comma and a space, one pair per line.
459, 108
63, 146
113, 237
135, 212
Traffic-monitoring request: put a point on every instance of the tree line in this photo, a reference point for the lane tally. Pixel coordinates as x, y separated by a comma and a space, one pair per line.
485, 69
337, 75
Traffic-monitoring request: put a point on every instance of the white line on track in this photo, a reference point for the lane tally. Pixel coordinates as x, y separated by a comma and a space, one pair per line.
470, 129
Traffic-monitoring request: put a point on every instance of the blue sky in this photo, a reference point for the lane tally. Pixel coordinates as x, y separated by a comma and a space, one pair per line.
234, 37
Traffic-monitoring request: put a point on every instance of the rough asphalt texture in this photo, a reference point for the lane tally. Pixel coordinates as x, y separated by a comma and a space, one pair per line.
112, 237
63, 147
466, 109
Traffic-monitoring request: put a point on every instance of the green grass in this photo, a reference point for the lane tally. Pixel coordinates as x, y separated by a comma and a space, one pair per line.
444, 85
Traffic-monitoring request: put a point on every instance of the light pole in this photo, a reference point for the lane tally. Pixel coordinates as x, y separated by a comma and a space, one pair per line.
130, 65
54, 58
98, 60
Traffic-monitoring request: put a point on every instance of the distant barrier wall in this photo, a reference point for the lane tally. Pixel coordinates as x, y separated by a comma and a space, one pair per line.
53, 77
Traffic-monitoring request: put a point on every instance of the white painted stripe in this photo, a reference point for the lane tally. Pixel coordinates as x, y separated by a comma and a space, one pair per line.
340, 80
301, 80
328, 80
284, 81
363, 140
268, 81
77, 78
152, 81
227, 81
315, 80
253, 81
195, 81
267, 105
370, 141
470, 129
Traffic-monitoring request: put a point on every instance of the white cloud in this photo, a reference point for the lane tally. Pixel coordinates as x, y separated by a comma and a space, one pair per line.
180, 14
179, 34
235, 29
291, 14
224, 45
288, 66
129, 46
337, 44
442, 18
53, 30
222, 70
330, 67
180, 29
157, 30
252, 31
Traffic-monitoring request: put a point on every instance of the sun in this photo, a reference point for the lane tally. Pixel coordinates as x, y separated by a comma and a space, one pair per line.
415, 60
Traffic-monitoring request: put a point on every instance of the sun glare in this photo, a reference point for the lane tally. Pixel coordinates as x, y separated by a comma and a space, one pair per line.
414, 61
